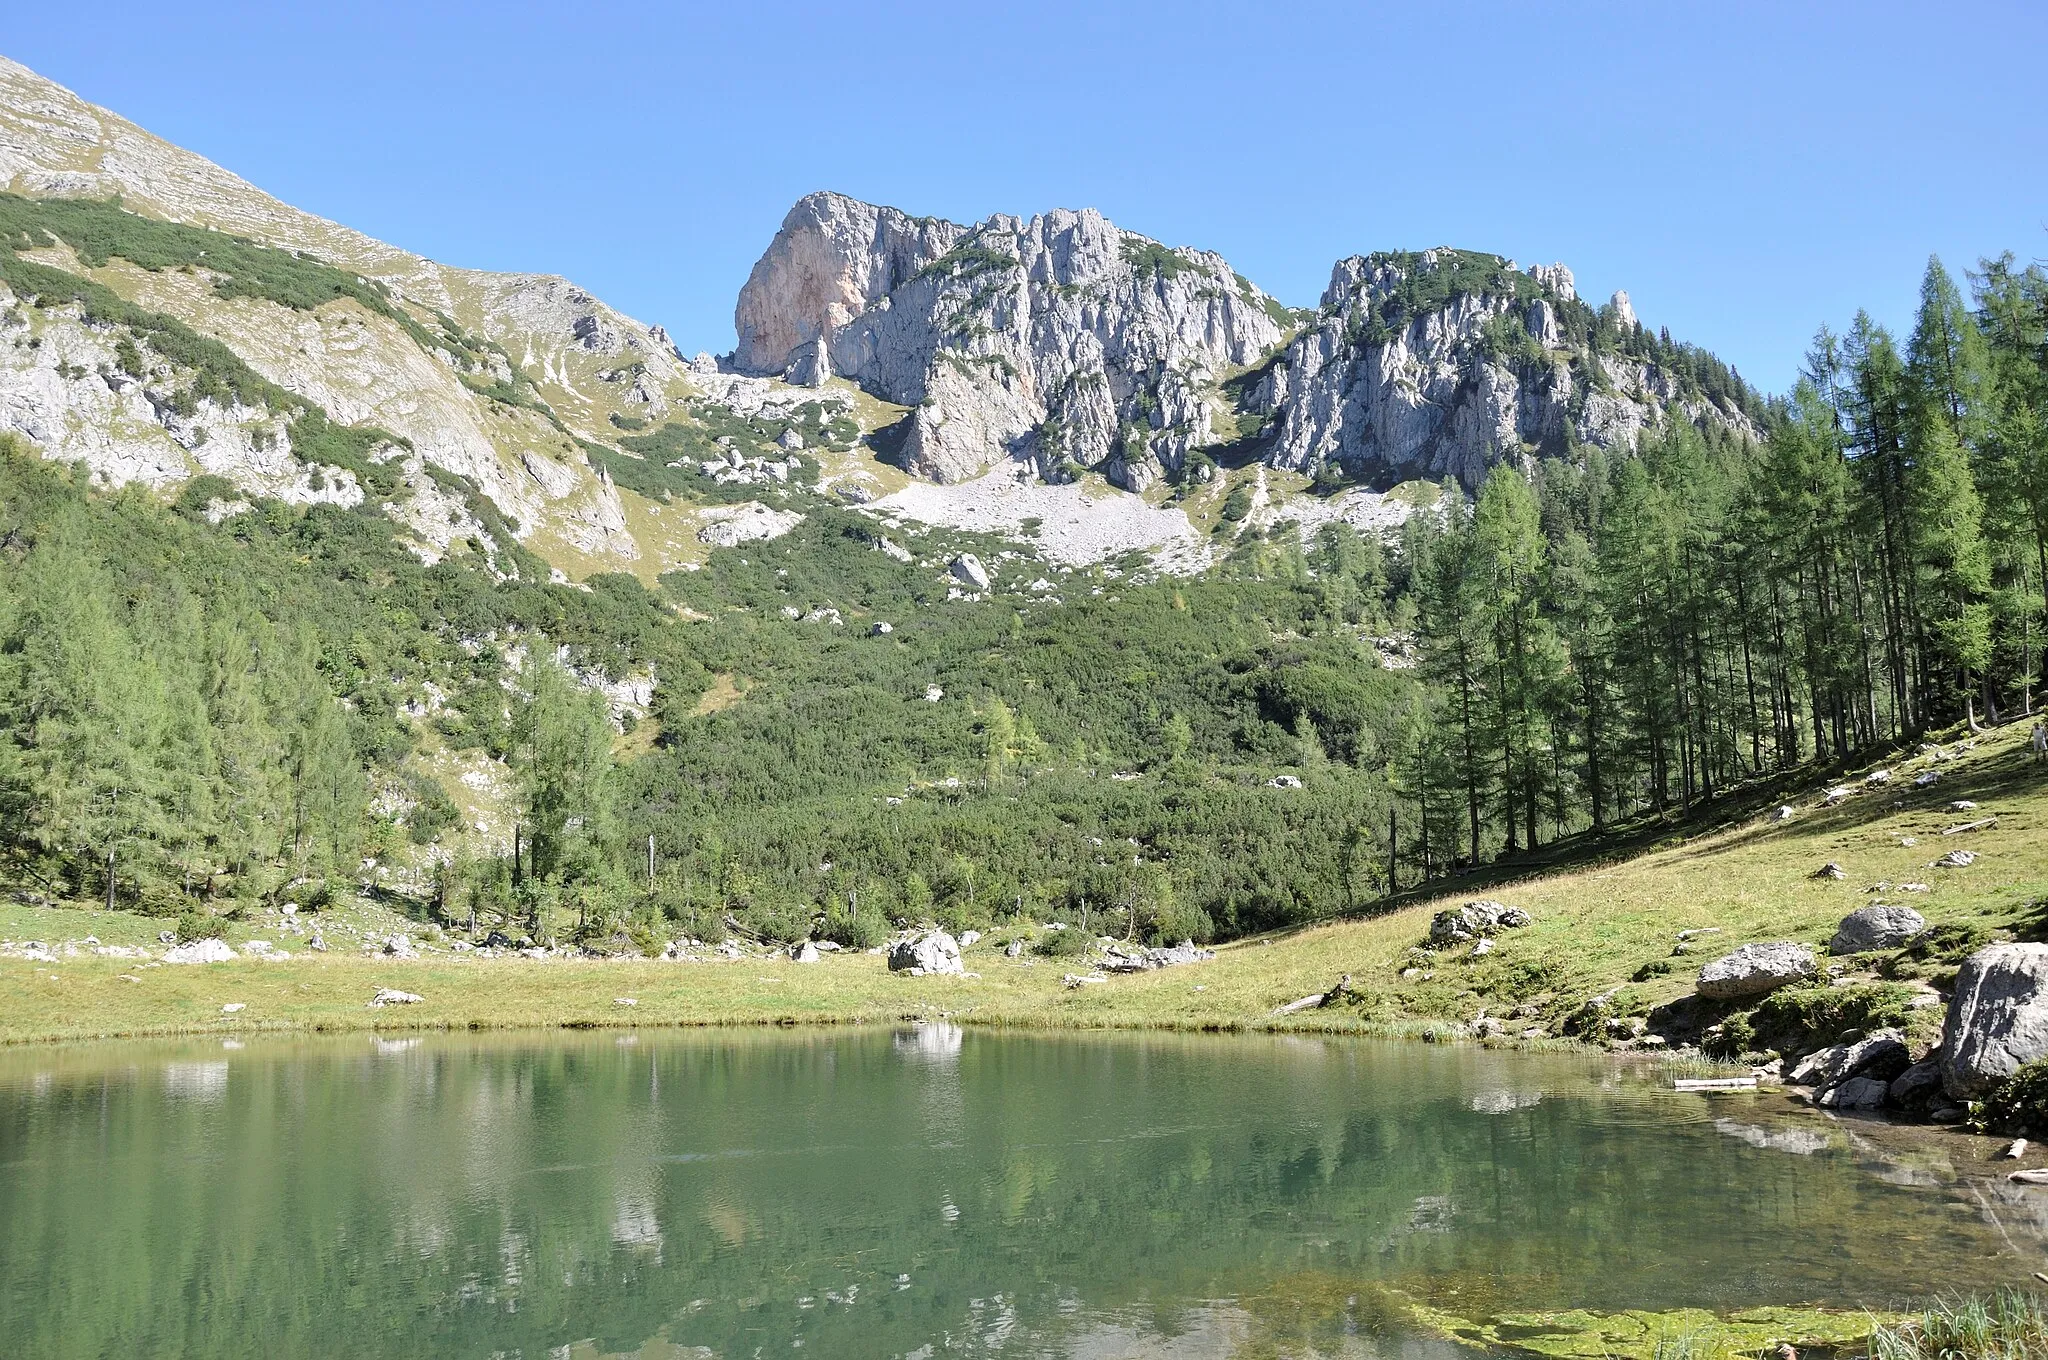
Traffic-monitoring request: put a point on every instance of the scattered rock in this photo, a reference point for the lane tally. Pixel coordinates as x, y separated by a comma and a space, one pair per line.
1962, 805
804, 952
883, 628
968, 937
1914, 888
234, 1006
1785, 813
1877, 779
391, 996
625, 1001
932, 951
1284, 781
200, 951
1956, 859
2016, 1149
1756, 969
1074, 981
1836, 795
1122, 959
1830, 870
1997, 1019
1877, 926
967, 569
1014, 949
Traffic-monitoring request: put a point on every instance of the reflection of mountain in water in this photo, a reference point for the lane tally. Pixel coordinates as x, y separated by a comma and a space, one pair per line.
871, 1193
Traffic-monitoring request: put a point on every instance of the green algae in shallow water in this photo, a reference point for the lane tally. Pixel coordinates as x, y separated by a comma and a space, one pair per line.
1681, 1334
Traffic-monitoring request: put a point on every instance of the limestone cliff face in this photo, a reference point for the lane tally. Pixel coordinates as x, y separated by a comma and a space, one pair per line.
1070, 344
1061, 340
834, 258
1444, 363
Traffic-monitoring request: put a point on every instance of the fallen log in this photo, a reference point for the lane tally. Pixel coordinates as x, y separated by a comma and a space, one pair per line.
1318, 999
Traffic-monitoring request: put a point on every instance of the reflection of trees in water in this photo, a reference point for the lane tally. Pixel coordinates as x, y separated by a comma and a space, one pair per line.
871, 1192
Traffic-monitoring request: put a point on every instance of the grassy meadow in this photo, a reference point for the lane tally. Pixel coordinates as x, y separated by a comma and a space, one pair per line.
1599, 923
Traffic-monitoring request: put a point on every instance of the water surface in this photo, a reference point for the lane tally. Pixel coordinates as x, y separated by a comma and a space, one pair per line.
924, 1192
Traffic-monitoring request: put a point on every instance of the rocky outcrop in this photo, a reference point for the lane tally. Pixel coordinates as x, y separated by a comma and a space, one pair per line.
834, 258
1445, 362
927, 952
1997, 1019
1473, 921
1756, 969
1061, 340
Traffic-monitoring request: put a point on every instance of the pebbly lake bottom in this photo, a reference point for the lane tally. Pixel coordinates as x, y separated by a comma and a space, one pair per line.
931, 1191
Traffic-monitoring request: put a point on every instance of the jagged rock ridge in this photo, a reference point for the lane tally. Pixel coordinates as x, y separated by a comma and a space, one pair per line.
1446, 362
1069, 344
1061, 340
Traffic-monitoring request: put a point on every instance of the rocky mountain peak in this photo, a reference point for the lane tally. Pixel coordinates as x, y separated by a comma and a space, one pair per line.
833, 258
1060, 340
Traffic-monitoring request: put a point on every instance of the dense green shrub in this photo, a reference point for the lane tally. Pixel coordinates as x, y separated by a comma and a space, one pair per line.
2020, 1104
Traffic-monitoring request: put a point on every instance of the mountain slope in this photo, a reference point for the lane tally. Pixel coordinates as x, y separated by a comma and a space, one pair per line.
567, 363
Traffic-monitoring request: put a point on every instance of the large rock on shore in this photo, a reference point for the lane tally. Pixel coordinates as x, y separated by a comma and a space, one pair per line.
1880, 1056
932, 951
200, 951
1997, 1020
1757, 969
1877, 926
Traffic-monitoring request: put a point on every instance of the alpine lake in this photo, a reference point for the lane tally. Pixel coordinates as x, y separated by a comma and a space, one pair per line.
932, 1191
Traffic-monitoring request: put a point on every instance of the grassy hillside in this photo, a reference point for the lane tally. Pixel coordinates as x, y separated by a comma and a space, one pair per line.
1597, 926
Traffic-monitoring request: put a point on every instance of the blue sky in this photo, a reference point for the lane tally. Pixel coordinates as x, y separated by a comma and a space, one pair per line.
1747, 172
